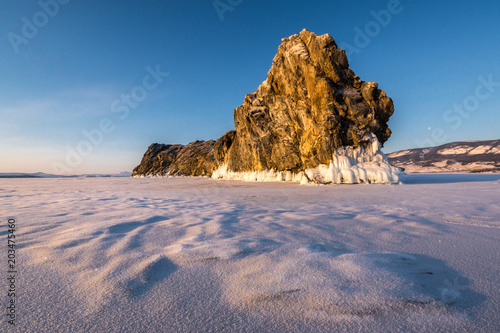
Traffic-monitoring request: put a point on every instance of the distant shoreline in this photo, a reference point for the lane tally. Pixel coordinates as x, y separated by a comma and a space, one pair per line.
44, 175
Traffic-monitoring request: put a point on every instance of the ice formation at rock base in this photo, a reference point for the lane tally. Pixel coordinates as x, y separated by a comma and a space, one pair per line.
349, 165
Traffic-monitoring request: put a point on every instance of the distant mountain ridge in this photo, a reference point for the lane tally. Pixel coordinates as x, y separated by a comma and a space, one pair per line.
47, 175
462, 156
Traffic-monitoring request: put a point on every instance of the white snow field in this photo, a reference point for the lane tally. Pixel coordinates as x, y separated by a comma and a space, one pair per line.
203, 255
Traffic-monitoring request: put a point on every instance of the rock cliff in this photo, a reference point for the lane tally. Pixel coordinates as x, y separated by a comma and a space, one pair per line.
308, 110
194, 159
310, 105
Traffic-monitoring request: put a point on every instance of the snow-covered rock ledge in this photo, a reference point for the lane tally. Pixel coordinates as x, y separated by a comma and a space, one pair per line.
349, 165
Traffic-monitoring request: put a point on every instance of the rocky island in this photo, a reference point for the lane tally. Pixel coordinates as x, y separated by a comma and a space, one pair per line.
311, 120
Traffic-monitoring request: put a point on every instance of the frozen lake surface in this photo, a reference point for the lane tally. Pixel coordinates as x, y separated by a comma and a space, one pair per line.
197, 255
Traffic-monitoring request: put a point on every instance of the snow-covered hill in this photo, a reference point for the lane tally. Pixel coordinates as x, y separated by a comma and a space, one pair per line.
464, 156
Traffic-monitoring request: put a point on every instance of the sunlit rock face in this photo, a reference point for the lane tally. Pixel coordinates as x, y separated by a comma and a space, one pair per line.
310, 106
312, 111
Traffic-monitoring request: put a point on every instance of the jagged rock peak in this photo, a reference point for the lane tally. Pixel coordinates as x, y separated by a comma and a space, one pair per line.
310, 104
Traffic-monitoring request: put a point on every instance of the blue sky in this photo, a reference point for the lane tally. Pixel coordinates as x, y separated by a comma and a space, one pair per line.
62, 82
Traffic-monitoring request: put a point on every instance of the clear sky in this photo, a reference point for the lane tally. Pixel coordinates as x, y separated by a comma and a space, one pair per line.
67, 67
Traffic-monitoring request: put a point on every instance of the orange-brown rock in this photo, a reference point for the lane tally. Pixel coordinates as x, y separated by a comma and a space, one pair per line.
310, 104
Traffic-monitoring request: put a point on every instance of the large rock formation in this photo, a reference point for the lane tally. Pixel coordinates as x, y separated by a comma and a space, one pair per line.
310, 104
309, 109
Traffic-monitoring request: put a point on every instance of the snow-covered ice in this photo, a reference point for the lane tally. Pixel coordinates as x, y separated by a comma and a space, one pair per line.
188, 254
